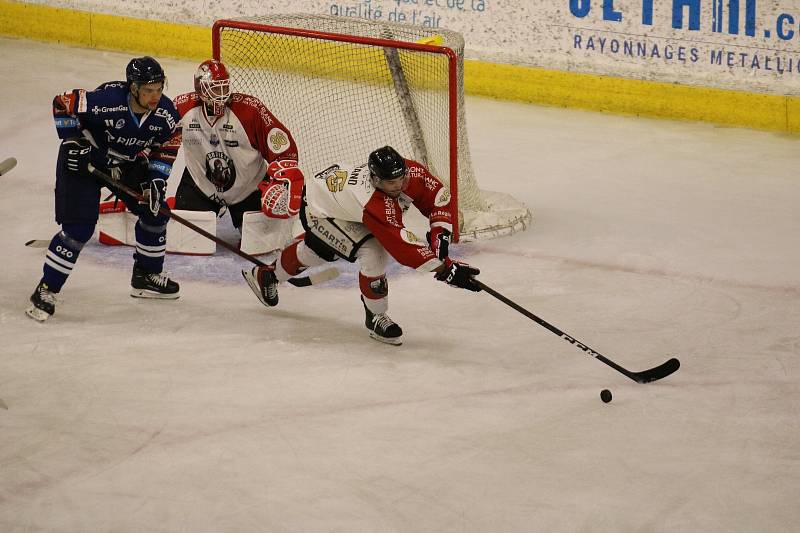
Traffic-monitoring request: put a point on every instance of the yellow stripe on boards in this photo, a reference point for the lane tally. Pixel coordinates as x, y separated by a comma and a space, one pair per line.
43, 23
633, 97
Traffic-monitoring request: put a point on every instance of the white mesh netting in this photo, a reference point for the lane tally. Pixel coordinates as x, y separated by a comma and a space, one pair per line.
341, 100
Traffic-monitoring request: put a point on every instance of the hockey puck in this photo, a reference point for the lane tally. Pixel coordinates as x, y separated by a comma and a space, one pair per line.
605, 395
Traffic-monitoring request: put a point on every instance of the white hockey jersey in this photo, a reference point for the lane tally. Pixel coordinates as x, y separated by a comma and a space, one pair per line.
228, 156
346, 192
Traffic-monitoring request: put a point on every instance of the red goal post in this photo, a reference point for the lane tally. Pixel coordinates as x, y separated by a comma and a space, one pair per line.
345, 87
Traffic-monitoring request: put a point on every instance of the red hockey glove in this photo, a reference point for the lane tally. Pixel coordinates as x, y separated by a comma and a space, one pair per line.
284, 203
459, 275
439, 240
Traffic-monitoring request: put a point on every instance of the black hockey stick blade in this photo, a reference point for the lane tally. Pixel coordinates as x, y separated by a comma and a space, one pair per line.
37, 243
7, 164
654, 374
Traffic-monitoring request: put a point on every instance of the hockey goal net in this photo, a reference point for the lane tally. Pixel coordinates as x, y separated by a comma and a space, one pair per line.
345, 87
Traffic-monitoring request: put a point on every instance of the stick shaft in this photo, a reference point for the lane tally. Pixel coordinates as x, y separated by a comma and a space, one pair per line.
646, 376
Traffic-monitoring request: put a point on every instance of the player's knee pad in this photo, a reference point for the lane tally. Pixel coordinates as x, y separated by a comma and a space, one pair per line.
76, 235
372, 258
149, 219
143, 226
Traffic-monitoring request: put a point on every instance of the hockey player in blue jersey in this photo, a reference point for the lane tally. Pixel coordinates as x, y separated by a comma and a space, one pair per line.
126, 129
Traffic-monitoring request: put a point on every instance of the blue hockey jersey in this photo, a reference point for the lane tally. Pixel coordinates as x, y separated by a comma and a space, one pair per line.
104, 116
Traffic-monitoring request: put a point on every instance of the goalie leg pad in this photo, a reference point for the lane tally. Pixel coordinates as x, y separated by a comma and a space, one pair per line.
261, 235
183, 240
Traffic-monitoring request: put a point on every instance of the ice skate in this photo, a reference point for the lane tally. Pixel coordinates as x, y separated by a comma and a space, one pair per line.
382, 328
43, 303
151, 285
263, 283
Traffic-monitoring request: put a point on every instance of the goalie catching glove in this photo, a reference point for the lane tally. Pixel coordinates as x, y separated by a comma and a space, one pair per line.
282, 194
459, 275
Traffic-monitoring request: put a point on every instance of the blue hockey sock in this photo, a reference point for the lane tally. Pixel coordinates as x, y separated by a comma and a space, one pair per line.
151, 245
62, 254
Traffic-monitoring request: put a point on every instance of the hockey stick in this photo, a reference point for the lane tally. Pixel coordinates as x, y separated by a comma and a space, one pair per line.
7, 164
646, 376
304, 281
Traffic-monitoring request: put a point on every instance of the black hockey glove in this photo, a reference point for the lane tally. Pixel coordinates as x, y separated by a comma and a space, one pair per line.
153, 194
78, 155
459, 275
439, 241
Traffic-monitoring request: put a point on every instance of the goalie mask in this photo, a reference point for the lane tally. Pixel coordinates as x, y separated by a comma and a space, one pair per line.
212, 83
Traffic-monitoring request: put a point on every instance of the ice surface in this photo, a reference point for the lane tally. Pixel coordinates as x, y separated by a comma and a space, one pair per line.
213, 413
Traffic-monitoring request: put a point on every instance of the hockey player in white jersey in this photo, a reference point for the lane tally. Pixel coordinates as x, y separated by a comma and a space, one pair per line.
356, 212
239, 156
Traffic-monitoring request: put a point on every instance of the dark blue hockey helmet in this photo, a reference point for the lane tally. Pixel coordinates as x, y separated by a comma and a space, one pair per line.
386, 164
144, 70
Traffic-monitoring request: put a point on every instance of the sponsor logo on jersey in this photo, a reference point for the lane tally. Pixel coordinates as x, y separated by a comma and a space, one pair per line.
120, 124
278, 140
194, 126
332, 240
83, 104
213, 139
390, 206
167, 116
227, 127
442, 197
155, 128
232, 144
220, 170
66, 122
98, 109
128, 141
430, 182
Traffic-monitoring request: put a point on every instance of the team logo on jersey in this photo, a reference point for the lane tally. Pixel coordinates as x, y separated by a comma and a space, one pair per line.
336, 180
278, 140
442, 197
213, 139
120, 124
220, 171
410, 237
